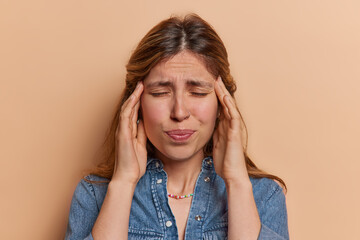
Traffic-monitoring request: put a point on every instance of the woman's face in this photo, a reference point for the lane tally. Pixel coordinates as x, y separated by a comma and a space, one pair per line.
179, 107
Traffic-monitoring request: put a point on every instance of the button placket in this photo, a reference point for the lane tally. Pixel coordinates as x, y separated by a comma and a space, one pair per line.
160, 183
208, 162
168, 224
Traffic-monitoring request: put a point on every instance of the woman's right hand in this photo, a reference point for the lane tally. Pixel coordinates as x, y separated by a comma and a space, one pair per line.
130, 141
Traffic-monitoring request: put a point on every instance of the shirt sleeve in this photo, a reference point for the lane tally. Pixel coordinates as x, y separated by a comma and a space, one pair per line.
83, 212
274, 222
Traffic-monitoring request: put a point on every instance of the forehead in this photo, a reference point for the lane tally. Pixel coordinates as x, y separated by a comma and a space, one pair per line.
183, 65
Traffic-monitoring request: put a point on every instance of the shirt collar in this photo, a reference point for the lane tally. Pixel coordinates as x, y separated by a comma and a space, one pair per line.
154, 163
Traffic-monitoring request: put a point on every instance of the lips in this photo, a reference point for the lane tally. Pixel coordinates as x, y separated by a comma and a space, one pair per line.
180, 135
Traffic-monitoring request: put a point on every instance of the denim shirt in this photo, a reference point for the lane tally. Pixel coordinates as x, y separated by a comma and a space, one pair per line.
152, 218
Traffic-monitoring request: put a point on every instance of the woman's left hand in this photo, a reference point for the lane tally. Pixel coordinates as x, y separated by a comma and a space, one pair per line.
228, 154
229, 162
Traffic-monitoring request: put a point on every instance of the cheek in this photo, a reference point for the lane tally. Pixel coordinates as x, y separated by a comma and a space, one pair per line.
206, 111
153, 112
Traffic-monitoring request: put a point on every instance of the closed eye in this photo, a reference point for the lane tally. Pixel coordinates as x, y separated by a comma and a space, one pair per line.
158, 94
199, 94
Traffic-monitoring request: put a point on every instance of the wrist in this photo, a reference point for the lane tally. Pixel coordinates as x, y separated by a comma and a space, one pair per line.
124, 178
238, 184
122, 184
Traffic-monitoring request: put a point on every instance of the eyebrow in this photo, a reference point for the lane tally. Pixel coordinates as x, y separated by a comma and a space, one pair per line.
198, 83
191, 82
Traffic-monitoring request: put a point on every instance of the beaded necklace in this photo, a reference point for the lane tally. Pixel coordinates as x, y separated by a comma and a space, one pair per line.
180, 197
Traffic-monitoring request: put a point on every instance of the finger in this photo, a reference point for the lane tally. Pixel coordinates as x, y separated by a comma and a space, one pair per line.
222, 128
221, 92
225, 113
225, 91
127, 102
135, 113
127, 111
132, 100
233, 112
134, 117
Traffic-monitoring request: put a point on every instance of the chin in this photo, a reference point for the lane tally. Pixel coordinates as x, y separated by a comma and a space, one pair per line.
179, 153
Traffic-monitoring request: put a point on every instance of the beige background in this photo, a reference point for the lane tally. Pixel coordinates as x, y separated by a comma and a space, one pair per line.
297, 64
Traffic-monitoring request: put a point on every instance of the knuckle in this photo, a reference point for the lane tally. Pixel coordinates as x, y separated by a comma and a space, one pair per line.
123, 106
123, 116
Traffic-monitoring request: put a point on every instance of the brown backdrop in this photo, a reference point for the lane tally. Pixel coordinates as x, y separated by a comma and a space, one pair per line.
297, 64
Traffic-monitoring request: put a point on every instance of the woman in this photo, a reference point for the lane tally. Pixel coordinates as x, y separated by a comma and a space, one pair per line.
175, 165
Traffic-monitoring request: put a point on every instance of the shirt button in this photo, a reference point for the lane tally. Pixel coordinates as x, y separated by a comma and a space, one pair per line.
208, 162
157, 164
207, 179
159, 181
197, 217
168, 223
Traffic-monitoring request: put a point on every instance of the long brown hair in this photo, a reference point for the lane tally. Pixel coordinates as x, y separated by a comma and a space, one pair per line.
163, 41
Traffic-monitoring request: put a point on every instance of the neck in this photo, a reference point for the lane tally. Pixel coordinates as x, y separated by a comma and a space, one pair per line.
182, 174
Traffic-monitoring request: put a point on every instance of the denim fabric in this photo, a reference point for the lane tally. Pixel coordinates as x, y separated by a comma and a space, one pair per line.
150, 210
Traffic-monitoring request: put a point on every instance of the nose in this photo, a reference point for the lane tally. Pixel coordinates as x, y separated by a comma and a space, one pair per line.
179, 110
